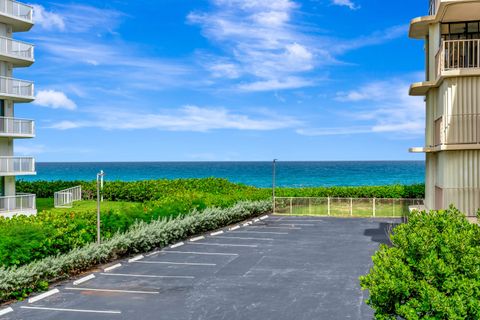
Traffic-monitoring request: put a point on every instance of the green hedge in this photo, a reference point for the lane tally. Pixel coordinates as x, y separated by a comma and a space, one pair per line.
141, 191
18, 282
432, 271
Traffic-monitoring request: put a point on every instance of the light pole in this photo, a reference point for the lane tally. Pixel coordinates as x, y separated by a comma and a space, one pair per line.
274, 172
100, 176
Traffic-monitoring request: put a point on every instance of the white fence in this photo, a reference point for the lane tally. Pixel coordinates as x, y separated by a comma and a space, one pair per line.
17, 9
344, 207
17, 203
17, 127
16, 87
458, 54
66, 198
15, 48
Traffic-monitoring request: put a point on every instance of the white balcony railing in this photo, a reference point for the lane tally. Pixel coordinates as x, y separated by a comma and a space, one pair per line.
16, 49
434, 4
16, 9
66, 198
16, 127
16, 88
17, 165
18, 203
458, 55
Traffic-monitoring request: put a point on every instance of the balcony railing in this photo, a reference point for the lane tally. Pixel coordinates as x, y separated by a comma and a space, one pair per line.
16, 9
458, 55
16, 88
13, 127
433, 7
16, 49
17, 165
17, 203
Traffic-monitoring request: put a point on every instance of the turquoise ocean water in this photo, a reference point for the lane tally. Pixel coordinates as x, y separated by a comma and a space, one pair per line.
289, 174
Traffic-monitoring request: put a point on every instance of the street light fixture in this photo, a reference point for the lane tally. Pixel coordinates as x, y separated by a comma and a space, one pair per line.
100, 176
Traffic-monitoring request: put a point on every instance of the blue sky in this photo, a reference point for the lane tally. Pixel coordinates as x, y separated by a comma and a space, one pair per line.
201, 80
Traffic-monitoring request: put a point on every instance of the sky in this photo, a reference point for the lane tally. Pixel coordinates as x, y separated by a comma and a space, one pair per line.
224, 80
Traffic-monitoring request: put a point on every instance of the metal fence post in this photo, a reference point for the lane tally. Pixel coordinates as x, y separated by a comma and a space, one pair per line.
351, 207
310, 206
374, 208
328, 205
291, 205
393, 204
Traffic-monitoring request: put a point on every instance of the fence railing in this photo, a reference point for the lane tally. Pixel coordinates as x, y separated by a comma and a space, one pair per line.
16, 127
17, 165
66, 198
17, 49
17, 203
458, 54
344, 207
434, 4
16, 87
16, 9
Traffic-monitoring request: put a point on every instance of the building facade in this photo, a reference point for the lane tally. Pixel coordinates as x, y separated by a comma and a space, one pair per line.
451, 33
14, 17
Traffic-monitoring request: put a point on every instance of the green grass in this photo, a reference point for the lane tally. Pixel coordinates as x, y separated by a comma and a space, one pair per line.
86, 206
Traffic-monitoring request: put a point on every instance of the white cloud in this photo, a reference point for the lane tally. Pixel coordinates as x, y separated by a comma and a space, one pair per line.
54, 99
379, 107
346, 3
274, 84
47, 20
188, 118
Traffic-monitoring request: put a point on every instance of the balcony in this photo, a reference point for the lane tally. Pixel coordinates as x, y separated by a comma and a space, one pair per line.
20, 54
16, 128
16, 14
17, 90
455, 58
19, 204
17, 166
433, 7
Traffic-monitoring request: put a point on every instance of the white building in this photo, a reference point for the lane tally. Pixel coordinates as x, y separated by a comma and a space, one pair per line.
14, 17
451, 33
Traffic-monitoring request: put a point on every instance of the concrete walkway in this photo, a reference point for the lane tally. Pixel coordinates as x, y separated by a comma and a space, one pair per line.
277, 268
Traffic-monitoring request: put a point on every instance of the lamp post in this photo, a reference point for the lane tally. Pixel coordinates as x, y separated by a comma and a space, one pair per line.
100, 176
274, 172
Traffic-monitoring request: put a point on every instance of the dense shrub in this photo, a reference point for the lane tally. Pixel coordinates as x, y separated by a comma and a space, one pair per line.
18, 282
432, 271
205, 189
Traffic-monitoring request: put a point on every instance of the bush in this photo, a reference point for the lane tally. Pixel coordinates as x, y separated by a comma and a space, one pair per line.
18, 282
432, 271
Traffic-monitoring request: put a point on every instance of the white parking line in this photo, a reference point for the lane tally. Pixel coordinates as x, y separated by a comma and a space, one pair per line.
43, 296
177, 263
242, 238
203, 253
225, 244
234, 228
145, 276
5, 311
113, 290
177, 245
262, 232
115, 266
268, 227
197, 238
134, 259
296, 224
84, 279
216, 233
73, 310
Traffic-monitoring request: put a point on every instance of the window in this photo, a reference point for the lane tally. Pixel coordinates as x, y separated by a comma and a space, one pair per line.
461, 30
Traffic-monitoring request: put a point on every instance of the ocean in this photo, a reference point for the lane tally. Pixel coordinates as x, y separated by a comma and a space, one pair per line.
259, 174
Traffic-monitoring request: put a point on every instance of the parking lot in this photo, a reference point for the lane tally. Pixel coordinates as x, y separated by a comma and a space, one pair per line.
276, 268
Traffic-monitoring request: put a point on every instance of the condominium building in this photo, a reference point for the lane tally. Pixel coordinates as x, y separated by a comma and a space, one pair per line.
14, 17
451, 32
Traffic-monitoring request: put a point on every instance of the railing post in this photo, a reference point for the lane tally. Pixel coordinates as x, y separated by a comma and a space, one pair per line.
351, 207
328, 206
374, 208
291, 205
309, 206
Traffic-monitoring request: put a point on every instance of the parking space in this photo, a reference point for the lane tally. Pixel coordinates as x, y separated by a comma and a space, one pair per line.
275, 268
